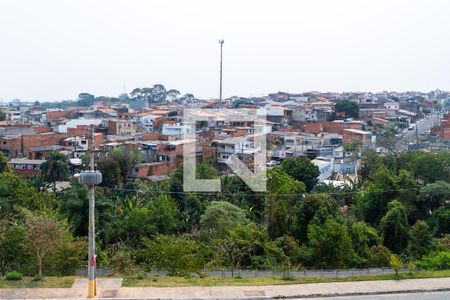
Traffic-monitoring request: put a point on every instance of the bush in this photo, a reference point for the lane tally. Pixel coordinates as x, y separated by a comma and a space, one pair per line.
179, 255
13, 275
379, 256
122, 260
37, 277
439, 260
411, 267
396, 263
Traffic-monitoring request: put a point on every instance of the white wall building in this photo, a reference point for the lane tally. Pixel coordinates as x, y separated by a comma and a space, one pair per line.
74, 123
174, 129
325, 165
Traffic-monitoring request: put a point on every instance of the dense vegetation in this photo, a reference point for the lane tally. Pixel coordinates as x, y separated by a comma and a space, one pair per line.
399, 206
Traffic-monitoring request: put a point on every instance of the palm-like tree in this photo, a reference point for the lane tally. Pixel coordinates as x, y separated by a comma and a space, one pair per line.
54, 168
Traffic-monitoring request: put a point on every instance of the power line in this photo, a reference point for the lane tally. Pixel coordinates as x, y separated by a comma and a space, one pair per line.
252, 194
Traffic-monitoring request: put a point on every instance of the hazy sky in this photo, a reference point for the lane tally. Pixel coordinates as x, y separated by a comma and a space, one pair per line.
52, 50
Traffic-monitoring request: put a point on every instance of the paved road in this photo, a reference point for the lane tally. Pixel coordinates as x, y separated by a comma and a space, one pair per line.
409, 136
407, 296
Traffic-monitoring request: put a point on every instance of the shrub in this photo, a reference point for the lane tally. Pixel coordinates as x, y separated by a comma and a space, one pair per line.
179, 255
379, 256
13, 275
439, 260
411, 267
396, 263
122, 260
37, 277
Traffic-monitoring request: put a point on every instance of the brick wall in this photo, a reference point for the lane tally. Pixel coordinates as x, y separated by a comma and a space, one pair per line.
84, 130
151, 136
55, 115
331, 127
11, 145
42, 129
20, 144
157, 169
446, 134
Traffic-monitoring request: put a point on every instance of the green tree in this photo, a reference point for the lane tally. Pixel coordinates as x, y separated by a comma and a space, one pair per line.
240, 194
44, 236
123, 259
12, 245
302, 169
16, 194
384, 187
420, 239
347, 109
396, 263
74, 205
363, 238
54, 168
283, 192
68, 256
329, 245
117, 165
379, 256
248, 246
436, 260
394, 227
307, 208
158, 216
219, 218
428, 167
2, 115
442, 219
172, 95
371, 161
85, 99
179, 255
434, 195
388, 140
155, 94
4, 166
191, 205
232, 250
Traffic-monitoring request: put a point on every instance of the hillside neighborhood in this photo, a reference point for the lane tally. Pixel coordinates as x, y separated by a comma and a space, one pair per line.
319, 126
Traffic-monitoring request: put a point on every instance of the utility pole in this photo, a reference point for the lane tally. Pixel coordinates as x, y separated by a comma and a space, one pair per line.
91, 178
221, 47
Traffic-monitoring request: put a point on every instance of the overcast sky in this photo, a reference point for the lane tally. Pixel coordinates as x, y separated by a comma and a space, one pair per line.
55, 49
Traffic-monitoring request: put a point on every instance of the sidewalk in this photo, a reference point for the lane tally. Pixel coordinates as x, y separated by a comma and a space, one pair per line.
109, 289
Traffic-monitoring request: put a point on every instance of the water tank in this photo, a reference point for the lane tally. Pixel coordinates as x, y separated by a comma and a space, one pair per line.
90, 178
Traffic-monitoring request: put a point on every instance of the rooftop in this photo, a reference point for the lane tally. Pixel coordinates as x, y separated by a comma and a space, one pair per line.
25, 161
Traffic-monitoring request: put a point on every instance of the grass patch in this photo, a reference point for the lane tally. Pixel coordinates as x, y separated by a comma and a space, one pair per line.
133, 281
44, 282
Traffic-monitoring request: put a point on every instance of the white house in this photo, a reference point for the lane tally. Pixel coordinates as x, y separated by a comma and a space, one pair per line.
145, 120
325, 165
392, 105
233, 145
174, 129
74, 123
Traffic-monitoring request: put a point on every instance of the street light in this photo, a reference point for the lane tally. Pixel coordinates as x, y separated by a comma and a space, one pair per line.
221, 47
91, 178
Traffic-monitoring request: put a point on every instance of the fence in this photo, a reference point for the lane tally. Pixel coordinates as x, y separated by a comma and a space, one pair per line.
315, 273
